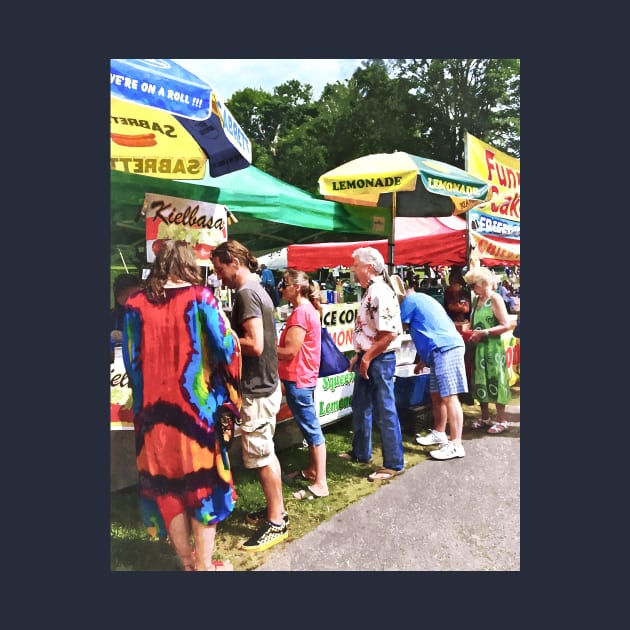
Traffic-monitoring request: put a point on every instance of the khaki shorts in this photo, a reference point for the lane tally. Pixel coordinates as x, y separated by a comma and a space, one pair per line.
258, 428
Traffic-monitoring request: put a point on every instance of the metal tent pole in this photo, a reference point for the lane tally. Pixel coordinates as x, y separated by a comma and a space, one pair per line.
392, 237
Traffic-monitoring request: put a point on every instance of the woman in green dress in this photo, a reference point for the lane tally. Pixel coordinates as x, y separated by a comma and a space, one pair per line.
488, 321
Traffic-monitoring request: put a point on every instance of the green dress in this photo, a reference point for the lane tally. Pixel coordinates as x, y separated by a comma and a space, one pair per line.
491, 381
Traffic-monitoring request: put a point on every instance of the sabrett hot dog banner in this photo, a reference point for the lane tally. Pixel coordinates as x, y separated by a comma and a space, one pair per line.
151, 142
147, 141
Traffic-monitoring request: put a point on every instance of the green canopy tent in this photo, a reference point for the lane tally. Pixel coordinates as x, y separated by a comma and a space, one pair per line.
271, 214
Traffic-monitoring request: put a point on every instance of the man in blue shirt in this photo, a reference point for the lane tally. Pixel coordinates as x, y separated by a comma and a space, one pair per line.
441, 348
269, 284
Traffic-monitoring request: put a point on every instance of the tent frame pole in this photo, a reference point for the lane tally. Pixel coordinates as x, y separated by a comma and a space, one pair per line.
392, 236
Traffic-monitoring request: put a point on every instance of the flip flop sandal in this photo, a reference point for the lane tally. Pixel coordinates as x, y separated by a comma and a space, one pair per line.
291, 479
308, 495
383, 474
498, 427
478, 424
219, 565
299, 474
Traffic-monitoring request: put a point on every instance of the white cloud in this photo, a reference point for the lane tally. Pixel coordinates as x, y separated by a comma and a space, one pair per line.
227, 76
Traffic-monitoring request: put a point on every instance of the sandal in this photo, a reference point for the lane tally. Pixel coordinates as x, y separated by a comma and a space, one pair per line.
498, 427
308, 494
383, 474
478, 424
301, 475
292, 478
220, 565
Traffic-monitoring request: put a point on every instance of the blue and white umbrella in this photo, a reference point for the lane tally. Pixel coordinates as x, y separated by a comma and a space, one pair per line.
164, 85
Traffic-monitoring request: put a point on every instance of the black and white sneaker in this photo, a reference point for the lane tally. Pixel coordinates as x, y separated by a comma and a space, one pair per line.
267, 536
259, 517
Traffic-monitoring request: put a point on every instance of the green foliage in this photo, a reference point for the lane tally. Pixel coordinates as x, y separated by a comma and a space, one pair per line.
422, 106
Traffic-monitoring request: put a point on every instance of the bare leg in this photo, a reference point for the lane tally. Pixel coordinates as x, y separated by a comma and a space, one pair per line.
179, 535
318, 457
439, 412
485, 412
500, 412
271, 482
204, 544
455, 415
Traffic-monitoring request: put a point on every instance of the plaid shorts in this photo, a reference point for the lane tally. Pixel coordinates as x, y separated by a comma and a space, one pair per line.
448, 372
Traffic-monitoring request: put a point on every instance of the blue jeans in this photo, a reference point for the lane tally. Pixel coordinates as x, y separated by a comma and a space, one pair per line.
301, 401
374, 398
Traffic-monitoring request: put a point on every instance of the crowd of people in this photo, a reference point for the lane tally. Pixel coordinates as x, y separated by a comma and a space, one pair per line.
196, 371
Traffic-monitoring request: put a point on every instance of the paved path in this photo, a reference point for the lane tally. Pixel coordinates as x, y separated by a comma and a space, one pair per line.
456, 515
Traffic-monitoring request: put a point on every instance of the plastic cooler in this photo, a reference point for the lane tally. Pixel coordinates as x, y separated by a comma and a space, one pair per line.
410, 389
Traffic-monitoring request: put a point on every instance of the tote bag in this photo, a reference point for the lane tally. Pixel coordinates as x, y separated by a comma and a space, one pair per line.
333, 360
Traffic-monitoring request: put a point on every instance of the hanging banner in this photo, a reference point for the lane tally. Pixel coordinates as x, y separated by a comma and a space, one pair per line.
495, 226
483, 223
202, 224
339, 319
120, 399
504, 174
503, 252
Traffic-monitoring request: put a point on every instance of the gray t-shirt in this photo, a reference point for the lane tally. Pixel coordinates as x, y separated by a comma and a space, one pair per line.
259, 374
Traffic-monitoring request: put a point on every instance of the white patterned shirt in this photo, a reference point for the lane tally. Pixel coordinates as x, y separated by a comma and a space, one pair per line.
379, 310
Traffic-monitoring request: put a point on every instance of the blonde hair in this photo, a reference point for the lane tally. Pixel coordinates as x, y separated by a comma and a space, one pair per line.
308, 288
480, 275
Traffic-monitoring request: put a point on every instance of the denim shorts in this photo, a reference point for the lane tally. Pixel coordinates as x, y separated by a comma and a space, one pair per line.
301, 401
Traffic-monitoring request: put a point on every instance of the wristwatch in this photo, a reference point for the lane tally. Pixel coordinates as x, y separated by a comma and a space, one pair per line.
487, 333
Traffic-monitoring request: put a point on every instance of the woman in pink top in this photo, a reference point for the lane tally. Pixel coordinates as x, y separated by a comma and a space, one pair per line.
299, 354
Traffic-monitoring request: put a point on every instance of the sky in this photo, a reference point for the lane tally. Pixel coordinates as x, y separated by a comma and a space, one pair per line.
226, 76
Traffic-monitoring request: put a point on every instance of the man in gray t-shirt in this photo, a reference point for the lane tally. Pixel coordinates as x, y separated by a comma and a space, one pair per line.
253, 321
260, 373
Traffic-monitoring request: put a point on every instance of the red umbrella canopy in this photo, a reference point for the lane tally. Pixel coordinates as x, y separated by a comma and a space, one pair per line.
419, 241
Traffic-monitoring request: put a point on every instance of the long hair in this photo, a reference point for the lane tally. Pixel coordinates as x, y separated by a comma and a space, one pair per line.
307, 287
176, 259
227, 251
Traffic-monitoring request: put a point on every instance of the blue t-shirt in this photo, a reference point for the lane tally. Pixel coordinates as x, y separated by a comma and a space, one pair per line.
430, 326
267, 277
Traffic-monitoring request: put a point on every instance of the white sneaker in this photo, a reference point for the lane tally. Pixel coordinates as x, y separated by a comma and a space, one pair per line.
435, 437
448, 451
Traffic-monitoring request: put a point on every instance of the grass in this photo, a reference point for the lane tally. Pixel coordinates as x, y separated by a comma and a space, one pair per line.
133, 550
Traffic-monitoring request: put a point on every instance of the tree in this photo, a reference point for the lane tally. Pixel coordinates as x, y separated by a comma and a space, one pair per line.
422, 106
455, 96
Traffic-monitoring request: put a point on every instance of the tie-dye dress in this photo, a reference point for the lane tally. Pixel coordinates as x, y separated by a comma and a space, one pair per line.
183, 362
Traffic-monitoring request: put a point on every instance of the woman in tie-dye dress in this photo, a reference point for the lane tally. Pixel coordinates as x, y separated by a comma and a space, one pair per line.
184, 366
